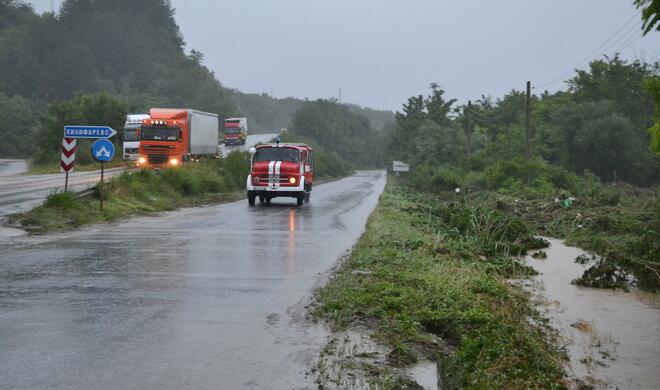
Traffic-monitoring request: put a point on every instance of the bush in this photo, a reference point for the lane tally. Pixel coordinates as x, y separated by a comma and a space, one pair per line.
534, 178
60, 200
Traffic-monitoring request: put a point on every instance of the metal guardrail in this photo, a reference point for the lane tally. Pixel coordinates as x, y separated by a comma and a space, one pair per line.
84, 193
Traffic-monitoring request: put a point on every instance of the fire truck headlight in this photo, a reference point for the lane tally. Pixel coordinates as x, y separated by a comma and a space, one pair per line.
142, 160
174, 162
292, 180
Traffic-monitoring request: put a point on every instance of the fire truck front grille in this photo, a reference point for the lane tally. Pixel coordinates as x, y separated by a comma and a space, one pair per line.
157, 158
262, 180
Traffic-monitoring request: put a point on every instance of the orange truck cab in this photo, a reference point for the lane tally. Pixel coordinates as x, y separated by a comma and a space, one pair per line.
280, 170
172, 136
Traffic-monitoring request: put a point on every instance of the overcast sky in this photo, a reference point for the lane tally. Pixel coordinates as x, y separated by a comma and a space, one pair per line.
379, 52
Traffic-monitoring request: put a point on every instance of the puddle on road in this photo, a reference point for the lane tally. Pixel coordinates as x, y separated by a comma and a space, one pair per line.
612, 337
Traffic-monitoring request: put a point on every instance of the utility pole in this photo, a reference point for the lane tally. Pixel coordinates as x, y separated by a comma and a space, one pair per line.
339, 96
528, 121
469, 128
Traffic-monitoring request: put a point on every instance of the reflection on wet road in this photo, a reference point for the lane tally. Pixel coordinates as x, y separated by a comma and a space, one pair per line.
201, 298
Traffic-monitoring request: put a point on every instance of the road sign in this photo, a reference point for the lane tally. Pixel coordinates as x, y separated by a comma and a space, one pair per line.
88, 132
68, 155
103, 150
400, 166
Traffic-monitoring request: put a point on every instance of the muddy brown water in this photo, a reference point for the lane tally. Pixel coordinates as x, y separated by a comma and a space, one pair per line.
612, 337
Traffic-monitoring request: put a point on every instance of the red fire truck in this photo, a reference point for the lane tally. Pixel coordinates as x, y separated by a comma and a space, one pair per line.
280, 170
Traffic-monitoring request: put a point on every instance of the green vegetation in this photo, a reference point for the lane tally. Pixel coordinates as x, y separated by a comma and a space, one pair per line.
19, 120
430, 275
653, 87
593, 133
340, 129
142, 192
650, 14
134, 55
101, 108
327, 164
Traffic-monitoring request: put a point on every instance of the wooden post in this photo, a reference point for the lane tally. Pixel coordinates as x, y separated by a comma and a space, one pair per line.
470, 128
66, 181
528, 120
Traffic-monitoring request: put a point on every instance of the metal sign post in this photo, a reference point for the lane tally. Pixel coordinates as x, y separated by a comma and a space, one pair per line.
71, 133
68, 159
102, 151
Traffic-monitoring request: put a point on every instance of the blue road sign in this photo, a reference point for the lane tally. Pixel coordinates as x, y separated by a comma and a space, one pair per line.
88, 132
103, 150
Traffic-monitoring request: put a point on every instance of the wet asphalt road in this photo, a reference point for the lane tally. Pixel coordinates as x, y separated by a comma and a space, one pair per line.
203, 298
12, 167
19, 192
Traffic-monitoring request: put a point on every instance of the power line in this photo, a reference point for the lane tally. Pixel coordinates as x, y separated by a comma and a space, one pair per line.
623, 38
588, 57
630, 42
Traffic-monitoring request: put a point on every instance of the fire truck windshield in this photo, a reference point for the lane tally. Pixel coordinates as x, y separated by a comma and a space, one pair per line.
277, 154
232, 130
160, 134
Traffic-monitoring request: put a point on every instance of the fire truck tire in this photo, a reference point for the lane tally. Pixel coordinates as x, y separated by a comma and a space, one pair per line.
300, 199
252, 197
307, 196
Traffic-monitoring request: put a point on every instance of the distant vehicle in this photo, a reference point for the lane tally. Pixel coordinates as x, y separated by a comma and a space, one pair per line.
131, 146
172, 136
235, 131
278, 170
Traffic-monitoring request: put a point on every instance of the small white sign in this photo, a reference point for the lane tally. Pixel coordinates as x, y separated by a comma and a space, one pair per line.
400, 166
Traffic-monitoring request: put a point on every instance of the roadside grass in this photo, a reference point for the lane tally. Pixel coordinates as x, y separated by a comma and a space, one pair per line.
429, 275
619, 223
141, 192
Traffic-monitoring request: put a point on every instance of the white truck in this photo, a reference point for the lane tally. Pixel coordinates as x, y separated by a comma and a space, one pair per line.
131, 145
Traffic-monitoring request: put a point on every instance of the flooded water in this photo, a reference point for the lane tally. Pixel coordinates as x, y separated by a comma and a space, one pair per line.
612, 337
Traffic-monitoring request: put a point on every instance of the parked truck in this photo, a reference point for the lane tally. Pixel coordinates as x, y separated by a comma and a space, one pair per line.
235, 131
131, 139
173, 136
280, 170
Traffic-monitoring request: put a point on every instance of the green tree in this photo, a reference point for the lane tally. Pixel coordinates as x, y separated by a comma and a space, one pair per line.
652, 85
338, 129
19, 120
102, 110
650, 14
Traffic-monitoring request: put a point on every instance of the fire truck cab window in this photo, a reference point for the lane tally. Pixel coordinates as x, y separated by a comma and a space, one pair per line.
277, 154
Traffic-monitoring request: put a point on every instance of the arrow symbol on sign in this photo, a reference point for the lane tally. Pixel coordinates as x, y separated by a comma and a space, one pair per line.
103, 152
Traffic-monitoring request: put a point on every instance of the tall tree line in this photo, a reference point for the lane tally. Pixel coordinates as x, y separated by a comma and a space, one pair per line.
599, 124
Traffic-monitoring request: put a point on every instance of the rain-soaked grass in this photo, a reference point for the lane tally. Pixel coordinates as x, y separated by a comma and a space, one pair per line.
430, 269
141, 192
